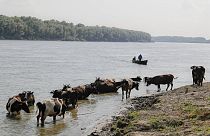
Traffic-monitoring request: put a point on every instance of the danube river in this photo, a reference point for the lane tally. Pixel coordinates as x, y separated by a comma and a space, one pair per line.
43, 66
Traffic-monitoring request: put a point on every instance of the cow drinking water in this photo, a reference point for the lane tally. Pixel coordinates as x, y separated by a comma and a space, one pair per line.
161, 79
17, 103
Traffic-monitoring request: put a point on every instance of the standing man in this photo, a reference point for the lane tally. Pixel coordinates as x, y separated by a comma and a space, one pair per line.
140, 57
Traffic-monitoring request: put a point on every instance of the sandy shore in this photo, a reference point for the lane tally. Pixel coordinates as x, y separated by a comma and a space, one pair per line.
182, 111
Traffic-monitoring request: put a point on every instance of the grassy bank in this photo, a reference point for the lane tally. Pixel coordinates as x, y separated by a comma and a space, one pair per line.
182, 111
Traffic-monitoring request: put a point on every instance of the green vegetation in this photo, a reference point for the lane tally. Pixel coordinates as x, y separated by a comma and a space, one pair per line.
180, 39
31, 28
163, 122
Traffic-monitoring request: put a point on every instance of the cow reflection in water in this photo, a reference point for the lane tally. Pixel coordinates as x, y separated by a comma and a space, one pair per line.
52, 129
161, 79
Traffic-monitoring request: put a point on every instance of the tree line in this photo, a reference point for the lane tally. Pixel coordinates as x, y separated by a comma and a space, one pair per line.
31, 28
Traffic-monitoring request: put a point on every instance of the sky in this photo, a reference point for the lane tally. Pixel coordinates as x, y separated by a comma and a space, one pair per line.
158, 17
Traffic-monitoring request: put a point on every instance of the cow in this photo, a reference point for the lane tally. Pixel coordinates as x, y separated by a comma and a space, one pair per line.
137, 79
160, 79
83, 91
53, 107
66, 94
198, 74
30, 99
106, 85
17, 103
128, 85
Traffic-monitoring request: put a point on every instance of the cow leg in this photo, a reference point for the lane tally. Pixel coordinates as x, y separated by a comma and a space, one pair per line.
126, 94
54, 118
122, 94
63, 115
167, 87
38, 116
158, 88
171, 86
42, 120
129, 93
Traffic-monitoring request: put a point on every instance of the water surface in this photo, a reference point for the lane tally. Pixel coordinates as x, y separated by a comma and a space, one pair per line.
42, 66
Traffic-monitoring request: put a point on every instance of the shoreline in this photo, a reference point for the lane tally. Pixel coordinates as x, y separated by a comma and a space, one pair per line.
182, 111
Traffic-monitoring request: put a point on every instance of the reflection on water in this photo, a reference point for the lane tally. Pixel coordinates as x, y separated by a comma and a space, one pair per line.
52, 129
74, 114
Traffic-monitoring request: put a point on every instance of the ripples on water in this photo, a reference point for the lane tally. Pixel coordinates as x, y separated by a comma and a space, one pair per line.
42, 66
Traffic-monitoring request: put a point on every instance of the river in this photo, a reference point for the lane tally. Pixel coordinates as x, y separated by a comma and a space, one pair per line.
42, 66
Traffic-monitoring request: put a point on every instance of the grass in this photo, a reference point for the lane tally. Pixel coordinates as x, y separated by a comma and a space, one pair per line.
165, 122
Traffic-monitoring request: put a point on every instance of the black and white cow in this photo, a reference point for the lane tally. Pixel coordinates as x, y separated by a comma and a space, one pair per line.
127, 86
17, 103
52, 107
30, 99
161, 79
70, 96
198, 74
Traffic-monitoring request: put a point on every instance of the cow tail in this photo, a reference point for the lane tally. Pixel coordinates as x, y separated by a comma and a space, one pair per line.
176, 77
40, 108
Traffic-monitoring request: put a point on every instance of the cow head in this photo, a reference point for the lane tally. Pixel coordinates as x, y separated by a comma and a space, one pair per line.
193, 67
90, 88
30, 98
65, 87
24, 107
138, 78
147, 80
136, 85
22, 96
56, 93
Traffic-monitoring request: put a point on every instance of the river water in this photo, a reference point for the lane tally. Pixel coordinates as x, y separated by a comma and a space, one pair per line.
42, 66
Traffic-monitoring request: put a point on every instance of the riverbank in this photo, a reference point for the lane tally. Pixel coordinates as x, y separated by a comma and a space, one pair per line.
182, 111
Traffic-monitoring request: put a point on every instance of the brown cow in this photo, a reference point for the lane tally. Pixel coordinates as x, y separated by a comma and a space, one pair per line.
106, 85
128, 85
83, 91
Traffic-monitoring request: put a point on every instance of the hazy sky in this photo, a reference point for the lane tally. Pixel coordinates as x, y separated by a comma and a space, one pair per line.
157, 17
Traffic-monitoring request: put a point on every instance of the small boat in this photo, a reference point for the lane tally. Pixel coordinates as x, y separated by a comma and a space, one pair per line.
142, 62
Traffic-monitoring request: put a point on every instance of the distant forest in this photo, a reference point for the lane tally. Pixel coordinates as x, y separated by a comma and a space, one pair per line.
31, 28
180, 39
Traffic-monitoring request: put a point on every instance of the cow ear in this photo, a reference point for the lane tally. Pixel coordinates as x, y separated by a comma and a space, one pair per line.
192, 67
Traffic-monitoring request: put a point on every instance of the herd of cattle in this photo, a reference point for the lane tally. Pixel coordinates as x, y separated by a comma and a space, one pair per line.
68, 96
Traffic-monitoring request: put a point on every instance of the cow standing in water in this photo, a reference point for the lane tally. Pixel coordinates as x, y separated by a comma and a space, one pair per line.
52, 107
17, 103
128, 85
161, 79
198, 75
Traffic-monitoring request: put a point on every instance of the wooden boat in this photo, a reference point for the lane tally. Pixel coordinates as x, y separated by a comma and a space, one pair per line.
142, 62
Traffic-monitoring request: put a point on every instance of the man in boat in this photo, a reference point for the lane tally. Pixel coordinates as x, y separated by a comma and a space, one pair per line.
140, 57
134, 58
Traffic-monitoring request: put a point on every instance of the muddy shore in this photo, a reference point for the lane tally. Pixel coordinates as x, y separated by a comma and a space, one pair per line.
182, 111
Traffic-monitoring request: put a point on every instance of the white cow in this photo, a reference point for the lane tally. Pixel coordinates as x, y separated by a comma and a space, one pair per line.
51, 107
